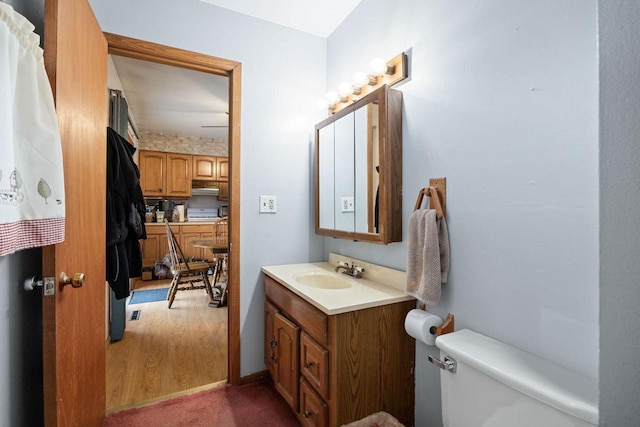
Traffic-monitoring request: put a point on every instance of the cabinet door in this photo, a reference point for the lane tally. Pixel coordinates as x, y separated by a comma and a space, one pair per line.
270, 340
153, 166
204, 168
286, 362
223, 191
178, 176
222, 169
151, 248
188, 250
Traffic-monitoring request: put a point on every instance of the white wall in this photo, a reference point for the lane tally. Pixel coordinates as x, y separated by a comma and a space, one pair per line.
282, 75
619, 207
502, 101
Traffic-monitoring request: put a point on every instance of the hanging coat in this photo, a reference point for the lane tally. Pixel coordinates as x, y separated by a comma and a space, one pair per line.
125, 215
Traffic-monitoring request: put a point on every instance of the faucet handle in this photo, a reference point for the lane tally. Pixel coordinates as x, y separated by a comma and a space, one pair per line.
359, 269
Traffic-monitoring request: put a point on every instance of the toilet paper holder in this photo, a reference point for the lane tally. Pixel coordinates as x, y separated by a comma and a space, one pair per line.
447, 326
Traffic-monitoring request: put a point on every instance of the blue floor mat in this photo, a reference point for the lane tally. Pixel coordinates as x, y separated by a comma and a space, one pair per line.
150, 295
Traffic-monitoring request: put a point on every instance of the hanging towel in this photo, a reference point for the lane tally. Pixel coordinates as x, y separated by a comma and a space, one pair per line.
32, 209
427, 256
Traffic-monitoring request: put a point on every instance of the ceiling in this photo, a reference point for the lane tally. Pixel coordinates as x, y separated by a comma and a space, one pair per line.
183, 102
319, 18
174, 100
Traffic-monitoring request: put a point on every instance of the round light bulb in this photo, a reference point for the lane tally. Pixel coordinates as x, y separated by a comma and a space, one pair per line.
378, 66
333, 98
360, 79
345, 89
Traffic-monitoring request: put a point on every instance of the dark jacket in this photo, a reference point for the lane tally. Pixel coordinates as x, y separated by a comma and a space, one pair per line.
125, 215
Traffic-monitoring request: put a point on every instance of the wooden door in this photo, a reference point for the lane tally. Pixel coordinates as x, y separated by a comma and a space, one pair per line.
152, 172
178, 175
74, 318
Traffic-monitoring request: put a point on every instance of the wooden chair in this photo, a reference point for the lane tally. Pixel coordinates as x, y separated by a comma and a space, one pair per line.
220, 254
185, 272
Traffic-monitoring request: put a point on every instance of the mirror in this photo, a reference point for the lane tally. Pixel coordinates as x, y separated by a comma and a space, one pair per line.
359, 170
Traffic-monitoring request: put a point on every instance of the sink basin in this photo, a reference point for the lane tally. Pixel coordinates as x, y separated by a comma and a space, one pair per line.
322, 280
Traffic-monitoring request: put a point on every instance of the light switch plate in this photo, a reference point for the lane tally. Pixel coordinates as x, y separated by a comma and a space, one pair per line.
267, 204
347, 204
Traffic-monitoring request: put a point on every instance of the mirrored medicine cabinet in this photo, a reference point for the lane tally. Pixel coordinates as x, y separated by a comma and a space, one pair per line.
358, 174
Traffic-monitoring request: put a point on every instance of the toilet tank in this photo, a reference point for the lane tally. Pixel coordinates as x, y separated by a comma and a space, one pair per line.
497, 385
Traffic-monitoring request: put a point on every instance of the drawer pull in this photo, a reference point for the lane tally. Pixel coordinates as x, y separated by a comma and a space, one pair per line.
307, 414
308, 364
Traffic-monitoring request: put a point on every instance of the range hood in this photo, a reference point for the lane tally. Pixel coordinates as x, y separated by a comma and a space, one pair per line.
204, 191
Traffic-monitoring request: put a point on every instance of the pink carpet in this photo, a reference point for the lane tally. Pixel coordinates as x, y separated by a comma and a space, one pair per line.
256, 404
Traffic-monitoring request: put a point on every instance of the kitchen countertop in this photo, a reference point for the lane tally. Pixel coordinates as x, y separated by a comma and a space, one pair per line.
161, 224
363, 293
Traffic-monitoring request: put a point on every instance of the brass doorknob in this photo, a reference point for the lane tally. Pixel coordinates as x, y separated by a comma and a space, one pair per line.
76, 281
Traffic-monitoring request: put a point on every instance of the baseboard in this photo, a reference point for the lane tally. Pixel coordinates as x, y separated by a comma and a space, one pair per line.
255, 377
167, 396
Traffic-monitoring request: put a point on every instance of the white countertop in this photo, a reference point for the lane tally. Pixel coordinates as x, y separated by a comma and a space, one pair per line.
363, 293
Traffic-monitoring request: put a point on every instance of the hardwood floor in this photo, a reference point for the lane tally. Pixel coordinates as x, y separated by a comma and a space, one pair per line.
166, 350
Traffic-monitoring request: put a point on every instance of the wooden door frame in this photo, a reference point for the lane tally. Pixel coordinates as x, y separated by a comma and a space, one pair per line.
152, 52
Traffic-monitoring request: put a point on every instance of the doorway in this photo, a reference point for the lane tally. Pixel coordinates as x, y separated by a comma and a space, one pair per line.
151, 52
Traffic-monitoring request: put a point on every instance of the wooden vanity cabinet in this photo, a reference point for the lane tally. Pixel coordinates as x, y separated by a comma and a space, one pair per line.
165, 174
349, 365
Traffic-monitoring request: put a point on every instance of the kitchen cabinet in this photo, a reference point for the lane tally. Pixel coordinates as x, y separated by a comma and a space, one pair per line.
346, 366
190, 232
222, 169
165, 174
223, 191
210, 168
153, 166
156, 246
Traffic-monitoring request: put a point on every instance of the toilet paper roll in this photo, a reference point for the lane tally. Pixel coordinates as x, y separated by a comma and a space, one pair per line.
418, 324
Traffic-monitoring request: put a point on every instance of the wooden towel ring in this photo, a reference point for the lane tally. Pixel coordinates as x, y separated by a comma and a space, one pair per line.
434, 203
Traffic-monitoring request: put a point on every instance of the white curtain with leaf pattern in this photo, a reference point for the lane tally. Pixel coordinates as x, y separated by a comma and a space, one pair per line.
32, 208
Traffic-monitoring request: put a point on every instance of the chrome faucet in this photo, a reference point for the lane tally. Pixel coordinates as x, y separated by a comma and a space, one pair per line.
350, 270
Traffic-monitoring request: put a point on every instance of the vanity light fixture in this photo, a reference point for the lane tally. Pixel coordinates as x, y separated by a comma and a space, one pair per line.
380, 73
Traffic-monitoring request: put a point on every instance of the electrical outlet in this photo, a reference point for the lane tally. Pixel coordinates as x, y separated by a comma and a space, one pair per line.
267, 204
347, 204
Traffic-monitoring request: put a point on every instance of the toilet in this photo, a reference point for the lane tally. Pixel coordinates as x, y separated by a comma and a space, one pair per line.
488, 383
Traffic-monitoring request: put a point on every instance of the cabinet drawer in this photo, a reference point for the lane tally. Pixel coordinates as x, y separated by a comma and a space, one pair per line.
312, 320
314, 412
197, 228
314, 364
159, 228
